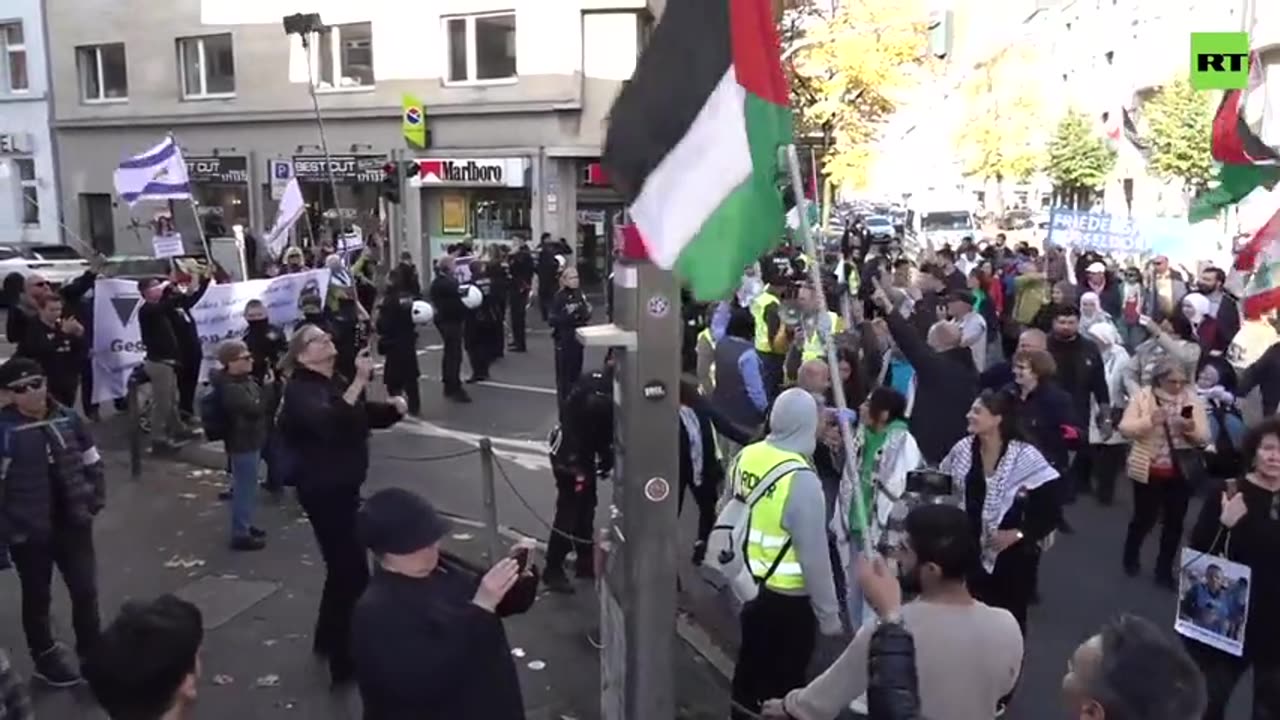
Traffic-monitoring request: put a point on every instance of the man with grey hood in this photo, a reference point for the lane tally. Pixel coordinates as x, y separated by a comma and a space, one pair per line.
788, 555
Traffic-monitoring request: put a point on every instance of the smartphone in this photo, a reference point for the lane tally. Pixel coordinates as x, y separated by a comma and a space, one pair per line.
1233, 487
1186, 412
521, 556
930, 482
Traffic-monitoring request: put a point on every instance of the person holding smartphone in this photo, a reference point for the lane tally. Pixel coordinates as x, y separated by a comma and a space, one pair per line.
1167, 424
324, 426
427, 634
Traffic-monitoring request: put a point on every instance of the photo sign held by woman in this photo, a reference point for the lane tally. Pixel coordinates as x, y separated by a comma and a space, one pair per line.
219, 316
1213, 601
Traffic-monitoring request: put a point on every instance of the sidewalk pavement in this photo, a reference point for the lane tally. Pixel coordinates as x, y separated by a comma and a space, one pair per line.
168, 533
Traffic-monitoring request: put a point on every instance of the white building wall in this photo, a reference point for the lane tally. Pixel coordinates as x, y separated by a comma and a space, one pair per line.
24, 121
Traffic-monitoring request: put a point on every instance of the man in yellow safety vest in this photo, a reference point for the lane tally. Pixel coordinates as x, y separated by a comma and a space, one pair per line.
771, 334
788, 555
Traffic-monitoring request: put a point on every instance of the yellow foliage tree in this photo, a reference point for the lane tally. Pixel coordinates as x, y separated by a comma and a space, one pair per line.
849, 67
997, 139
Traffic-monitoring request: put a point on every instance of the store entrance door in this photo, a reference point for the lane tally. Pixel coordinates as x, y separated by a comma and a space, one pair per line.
596, 225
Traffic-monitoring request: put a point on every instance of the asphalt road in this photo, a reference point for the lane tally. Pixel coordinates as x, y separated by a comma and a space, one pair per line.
1081, 581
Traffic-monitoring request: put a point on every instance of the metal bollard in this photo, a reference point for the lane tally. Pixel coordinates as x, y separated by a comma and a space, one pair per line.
135, 431
492, 537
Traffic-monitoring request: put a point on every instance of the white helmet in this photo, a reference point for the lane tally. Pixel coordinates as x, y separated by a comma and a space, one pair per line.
422, 312
473, 297
561, 262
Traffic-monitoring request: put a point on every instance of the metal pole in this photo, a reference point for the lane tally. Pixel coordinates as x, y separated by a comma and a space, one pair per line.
324, 143
135, 430
833, 360
492, 539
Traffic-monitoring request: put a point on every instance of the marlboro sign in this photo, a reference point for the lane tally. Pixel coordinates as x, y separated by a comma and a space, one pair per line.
482, 172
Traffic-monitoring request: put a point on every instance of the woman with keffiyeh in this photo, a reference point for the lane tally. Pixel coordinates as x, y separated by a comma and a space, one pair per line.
1009, 491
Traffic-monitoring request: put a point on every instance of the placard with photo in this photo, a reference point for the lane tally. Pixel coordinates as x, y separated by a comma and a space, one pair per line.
1213, 601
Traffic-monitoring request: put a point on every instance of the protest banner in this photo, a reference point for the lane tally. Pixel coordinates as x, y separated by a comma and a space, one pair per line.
1100, 232
219, 316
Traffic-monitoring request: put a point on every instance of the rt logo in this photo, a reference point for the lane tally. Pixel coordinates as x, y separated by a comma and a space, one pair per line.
1220, 61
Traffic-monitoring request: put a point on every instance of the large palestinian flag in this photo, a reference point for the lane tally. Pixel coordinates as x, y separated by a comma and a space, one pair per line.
693, 141
1247, 162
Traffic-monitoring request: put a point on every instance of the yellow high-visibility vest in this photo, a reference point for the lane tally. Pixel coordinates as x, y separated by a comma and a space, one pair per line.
763, 301
765, 535
814, 347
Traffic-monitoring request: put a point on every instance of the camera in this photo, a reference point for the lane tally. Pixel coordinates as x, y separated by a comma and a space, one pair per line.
930, 483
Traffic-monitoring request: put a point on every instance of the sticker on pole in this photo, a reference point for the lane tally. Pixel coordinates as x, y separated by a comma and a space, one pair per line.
654, 390
659, 306
657, 489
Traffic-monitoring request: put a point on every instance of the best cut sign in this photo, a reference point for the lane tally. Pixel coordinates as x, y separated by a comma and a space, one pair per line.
475, 172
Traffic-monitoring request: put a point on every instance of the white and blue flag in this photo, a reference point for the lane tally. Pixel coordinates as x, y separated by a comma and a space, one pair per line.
157, 174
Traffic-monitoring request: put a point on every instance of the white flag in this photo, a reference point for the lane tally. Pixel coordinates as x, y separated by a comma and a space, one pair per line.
291, 207
157, 174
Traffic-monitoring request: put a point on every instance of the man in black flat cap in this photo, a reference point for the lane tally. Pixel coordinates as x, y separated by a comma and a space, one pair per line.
427, 635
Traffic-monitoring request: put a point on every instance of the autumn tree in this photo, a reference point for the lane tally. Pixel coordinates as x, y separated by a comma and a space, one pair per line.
1179, 123
849, 65
1078, 160
996, 139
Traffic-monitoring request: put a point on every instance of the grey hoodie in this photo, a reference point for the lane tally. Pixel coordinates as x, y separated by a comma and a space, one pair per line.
793, 427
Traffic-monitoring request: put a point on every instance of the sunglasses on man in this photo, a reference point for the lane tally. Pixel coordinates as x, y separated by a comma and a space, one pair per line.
25, 386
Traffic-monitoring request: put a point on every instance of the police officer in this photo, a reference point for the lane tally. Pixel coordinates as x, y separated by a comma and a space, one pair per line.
581, 450
500, 295
451, 315
405, 276
480, 324
570, 310
57, 345
522, 268
398, 343
54, 486
548, 269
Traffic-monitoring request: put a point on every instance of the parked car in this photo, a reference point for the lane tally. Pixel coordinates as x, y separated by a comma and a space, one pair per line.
59, 264
879, 228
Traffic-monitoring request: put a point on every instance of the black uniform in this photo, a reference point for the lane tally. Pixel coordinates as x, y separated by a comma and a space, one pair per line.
190, 350
499, 295
523, 268
398, 343
479, 326
59, 354
451, 314
349, 335
569, 311
581, 449
405, 277
548, 277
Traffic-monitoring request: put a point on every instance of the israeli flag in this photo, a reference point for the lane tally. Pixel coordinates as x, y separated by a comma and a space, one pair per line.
157, 174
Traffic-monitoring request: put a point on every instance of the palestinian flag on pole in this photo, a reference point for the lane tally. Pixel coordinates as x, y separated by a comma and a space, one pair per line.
693, 141
1248, 163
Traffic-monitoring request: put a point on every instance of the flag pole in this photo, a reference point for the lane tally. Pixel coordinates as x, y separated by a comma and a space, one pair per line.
195, 211
833, 361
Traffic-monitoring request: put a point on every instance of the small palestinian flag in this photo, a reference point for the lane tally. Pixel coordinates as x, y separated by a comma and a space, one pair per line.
1262, 243
1247, 162
693, 141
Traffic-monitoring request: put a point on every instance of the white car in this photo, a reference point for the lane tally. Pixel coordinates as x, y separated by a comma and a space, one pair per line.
59, 264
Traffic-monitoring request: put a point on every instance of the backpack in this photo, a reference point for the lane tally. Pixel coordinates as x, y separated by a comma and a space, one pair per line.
213, 414
725, 563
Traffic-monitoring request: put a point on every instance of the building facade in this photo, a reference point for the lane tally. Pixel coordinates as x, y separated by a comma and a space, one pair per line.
515, 96
28, 169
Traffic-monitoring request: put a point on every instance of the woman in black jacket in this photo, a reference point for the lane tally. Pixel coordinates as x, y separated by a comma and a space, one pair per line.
569, 311
324, 425
701, 473
1241, 521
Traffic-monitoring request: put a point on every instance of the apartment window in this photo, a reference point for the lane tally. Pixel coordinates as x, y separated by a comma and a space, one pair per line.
103, 77
13, 61
30, 191
481, 48
342, 57
208, 66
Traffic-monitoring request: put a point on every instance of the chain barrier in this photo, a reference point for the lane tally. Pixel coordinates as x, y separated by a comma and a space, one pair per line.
550, 527
432, 458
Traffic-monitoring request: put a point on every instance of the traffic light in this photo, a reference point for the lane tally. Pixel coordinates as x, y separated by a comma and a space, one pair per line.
391, 182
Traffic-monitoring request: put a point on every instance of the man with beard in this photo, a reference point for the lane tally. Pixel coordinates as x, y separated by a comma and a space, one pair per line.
1082, 374
1222, 306
946, 623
